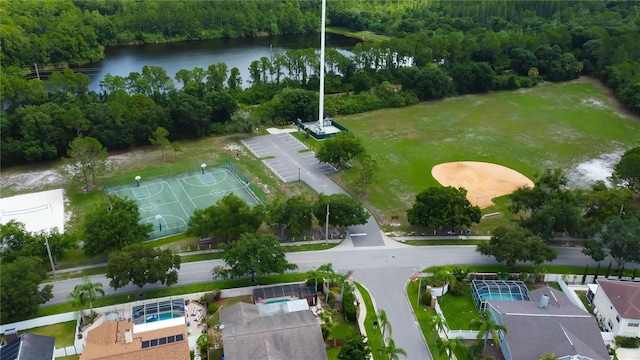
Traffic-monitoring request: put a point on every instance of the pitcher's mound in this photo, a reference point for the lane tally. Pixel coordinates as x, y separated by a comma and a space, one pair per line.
483, 181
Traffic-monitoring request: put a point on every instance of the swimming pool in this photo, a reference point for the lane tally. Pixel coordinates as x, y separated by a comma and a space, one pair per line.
276, 301
164, 316
494, 296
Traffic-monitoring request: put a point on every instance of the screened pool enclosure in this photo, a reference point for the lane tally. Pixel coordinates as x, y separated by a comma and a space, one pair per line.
508, 290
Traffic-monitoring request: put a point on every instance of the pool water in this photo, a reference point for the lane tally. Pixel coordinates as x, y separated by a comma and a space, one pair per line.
165, 316
276, 301
490, 296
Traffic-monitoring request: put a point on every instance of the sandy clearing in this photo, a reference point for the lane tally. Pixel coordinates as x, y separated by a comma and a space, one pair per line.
483, 181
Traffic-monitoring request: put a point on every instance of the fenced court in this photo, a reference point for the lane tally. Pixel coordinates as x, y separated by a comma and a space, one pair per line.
168, 203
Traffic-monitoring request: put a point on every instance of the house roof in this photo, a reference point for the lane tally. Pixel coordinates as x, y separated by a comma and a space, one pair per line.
107, 341
29, 347
287, 336
624, 296
560, 328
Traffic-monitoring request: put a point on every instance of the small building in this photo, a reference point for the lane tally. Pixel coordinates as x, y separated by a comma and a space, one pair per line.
617, 306
549, 323
280, 333
29, 347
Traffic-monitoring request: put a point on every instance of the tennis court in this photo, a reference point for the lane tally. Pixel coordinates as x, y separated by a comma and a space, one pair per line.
168, 203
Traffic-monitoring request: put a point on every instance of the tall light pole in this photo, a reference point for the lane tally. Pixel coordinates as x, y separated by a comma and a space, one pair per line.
159, 218
46, 243
326, 239
322, 41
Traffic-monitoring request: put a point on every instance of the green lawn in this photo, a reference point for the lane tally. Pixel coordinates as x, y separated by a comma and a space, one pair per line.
374, 336
551, 125
583, 297
362, 35
459, 310
63, 332
423, 314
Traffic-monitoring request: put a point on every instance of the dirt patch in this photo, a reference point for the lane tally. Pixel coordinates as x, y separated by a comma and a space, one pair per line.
483, 181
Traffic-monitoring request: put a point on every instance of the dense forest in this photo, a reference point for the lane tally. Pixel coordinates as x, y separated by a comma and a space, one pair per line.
437, 49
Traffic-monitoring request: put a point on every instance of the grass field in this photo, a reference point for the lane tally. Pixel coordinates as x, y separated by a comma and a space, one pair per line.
551, 125
63, 332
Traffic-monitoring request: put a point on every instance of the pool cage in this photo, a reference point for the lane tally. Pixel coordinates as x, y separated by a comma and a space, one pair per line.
158, 310
273, 293
509, 290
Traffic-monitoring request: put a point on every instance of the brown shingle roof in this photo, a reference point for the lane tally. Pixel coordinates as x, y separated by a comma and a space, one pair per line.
624, 296
107, 341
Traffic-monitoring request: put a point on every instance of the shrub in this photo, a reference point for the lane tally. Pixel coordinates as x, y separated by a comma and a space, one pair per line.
216, 294
627, 342
208, 299
425, 298
325, 331
348, 308
331, 299
213, 308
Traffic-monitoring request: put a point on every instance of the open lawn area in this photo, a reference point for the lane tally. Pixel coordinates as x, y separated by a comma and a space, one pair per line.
529, 130
459, 310
63, 332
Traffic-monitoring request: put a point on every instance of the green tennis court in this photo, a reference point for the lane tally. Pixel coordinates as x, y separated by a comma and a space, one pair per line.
168, 203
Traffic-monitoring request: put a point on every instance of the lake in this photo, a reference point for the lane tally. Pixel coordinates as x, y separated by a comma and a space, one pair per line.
122, 60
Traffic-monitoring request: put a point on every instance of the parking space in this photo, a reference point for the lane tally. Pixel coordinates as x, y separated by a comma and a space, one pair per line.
284, 157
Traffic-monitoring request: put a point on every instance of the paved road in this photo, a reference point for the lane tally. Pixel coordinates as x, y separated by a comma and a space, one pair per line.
383, 269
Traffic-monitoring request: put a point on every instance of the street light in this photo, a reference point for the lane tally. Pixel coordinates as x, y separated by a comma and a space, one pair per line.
138, 180
159, 217
326, 239
298, 174
46, 243
203, 166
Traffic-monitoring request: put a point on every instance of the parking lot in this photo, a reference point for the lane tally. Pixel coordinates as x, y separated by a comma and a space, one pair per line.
281, 153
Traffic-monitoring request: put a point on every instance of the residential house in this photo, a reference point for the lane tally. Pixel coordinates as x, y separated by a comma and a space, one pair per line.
155, 330
278, 331
549, 323
617, 306
29, 347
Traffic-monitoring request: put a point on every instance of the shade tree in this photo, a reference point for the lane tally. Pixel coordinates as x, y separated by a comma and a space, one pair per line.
512, 245
227, 219
293, 216
141, 264
113, 225
253, 255
626, 172
88, 156
20, 290
340, 149
344, 210
619, 238
443, 206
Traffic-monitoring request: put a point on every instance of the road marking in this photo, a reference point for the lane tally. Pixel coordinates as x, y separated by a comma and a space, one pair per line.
361, 234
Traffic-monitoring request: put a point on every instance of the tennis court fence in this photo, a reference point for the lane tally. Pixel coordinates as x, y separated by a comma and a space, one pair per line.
257, 192
181, 169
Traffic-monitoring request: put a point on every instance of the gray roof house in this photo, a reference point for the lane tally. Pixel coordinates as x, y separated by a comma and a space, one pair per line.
29, 347
549, 323
276, 334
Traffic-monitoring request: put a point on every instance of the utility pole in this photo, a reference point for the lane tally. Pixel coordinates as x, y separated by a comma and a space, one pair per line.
326, 239
419, 288
53, 267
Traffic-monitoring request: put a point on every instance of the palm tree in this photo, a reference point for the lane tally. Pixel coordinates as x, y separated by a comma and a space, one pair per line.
450, 346
384, 324
438, 322
392, 351
78, 301
326, 271
488, 326
90, 290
